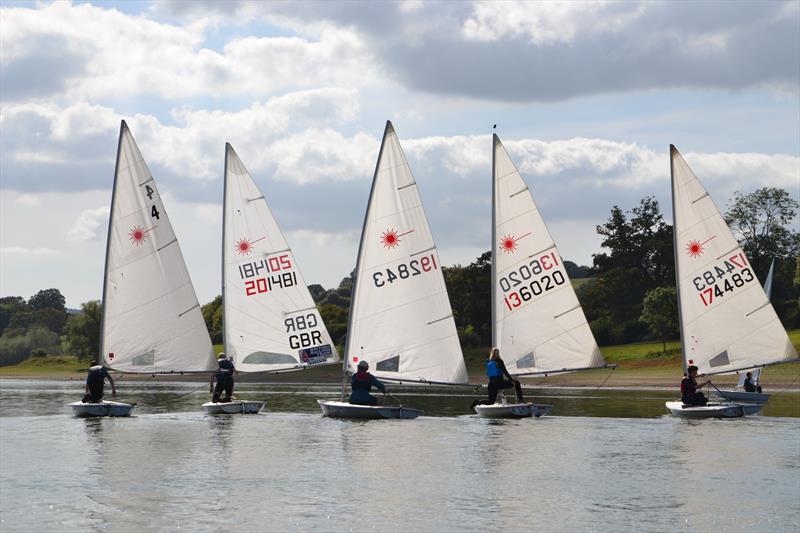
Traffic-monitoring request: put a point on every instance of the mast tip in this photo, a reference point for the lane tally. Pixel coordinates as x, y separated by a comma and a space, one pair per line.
389, 126
672, 149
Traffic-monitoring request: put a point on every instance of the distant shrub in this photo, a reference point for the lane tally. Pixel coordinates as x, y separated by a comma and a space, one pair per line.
17, 348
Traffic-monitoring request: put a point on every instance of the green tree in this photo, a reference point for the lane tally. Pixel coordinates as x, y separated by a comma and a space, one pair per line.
82, 331
469, 289
11, 306
638, 259
212, 315
762, 222
48, 299
660, 313
52, 319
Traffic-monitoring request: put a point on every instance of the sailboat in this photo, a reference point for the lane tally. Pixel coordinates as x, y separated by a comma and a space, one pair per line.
400, 317
727, 323
151, 322
537, 322
270, 321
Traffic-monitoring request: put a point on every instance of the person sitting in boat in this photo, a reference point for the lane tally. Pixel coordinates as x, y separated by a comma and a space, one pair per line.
749, 385
95, 382
689, 386
496, 371
361, 383
224, 378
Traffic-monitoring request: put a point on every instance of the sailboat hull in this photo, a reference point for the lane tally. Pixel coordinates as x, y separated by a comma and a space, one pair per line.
234, 408
743, 396
713, 410
336, 409
104, 408
513, 410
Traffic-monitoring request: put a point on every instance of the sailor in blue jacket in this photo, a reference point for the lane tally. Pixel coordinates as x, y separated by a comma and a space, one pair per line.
361, 383
496, 371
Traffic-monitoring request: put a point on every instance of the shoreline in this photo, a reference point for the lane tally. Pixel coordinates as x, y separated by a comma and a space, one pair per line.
635, 379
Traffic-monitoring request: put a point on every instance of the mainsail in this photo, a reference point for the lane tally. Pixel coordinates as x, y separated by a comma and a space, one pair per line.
538, 323
152, 321
727, 322
400, 316
270, 320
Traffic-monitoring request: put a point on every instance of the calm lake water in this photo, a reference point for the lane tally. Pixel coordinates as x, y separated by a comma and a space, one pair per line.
171, 468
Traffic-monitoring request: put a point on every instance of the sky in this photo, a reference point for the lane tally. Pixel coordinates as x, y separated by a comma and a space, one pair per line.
586, 96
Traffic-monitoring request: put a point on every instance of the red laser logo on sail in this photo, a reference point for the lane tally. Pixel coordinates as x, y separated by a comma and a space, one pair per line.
244, 245
695, 247
509, 243
137, 235
391, 239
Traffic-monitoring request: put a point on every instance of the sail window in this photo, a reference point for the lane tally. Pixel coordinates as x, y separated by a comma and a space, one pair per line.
144, 359
719, 359
526, 361
266, 358
389, 365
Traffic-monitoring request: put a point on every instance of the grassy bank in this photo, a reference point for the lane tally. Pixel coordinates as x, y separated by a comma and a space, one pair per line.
639, 365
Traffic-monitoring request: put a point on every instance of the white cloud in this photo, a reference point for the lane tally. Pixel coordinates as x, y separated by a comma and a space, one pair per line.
546, 22
28, 200
106, 53
88, 224
21, 250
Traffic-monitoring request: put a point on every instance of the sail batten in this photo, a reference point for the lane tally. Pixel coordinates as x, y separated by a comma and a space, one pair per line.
152, 322
270, 323
530, 285
727, 323
400, 316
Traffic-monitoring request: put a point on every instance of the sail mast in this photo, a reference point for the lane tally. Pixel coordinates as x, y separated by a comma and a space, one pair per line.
102, 358
672, 151
495, 140
228, 147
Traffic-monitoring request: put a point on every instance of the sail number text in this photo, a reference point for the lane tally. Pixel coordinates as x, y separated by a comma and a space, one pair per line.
277, 270
415, 267
727, 276
540, 275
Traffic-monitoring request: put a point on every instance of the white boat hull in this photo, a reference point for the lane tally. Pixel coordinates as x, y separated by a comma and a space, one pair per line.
233, 408
713, 410
335, 409
104, 408
742, 396
512, 410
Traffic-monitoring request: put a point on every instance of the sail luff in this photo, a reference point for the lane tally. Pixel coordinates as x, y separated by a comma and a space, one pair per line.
672, 152
102, 359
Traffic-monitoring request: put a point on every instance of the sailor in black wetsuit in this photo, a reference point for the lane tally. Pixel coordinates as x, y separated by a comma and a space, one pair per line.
689, 394
95, 381
224, 378
749, 386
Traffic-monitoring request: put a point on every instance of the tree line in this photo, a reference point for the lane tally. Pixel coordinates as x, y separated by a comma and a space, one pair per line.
628, 293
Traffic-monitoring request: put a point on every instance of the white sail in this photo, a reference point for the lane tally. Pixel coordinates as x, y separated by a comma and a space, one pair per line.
400, 316
270, 320
727, 322
539, 325
152, 322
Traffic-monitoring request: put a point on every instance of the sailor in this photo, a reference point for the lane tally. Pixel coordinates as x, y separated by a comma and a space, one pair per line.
95, 381
496, 371
749, 385
361, 383
689, 386
224, 378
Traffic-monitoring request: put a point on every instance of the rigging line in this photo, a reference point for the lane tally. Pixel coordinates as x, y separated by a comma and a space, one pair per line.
512, 195
406, 186
148, 302
700, 198
610, 373
758, 309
